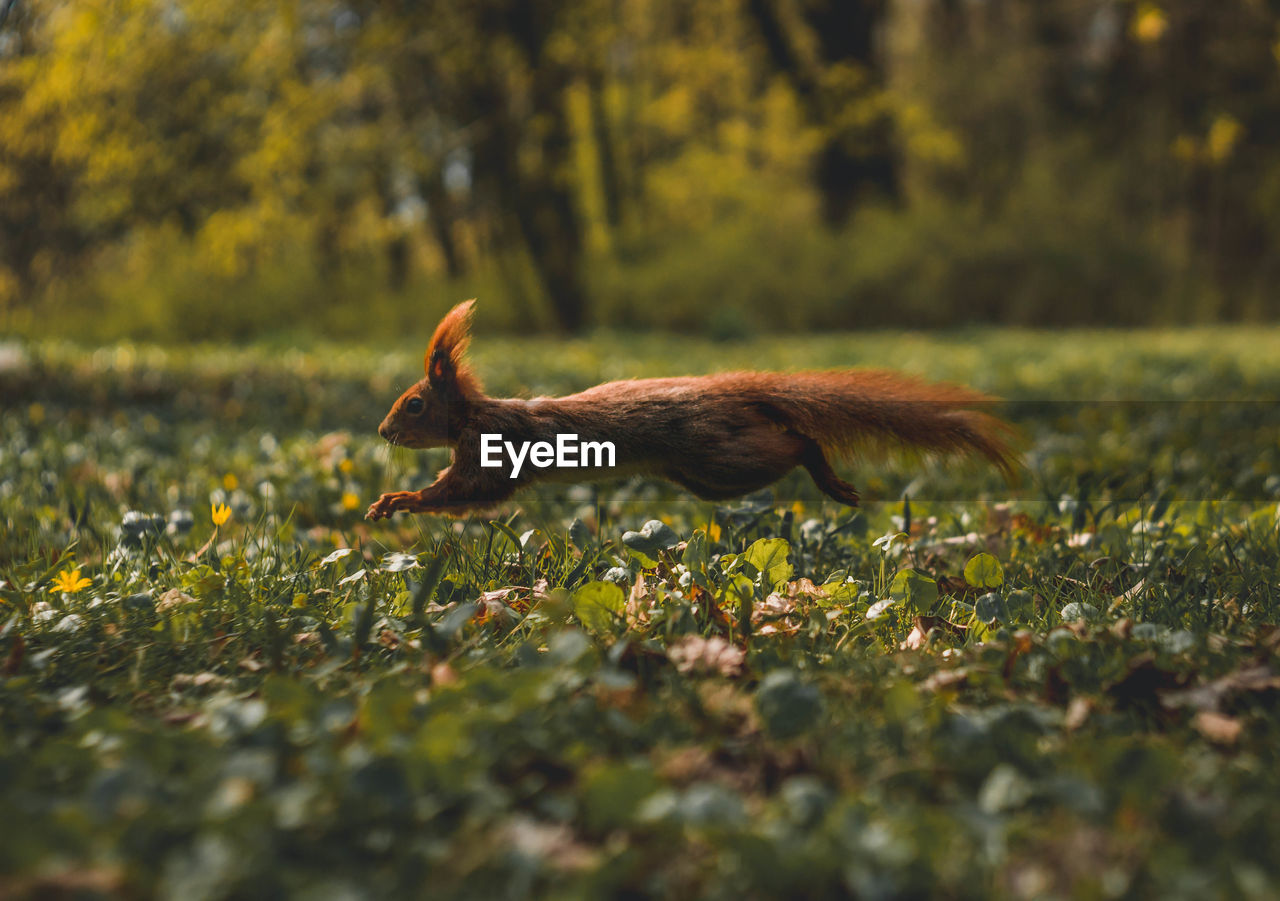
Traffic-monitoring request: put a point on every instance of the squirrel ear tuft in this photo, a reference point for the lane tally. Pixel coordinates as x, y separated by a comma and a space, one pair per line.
443, 360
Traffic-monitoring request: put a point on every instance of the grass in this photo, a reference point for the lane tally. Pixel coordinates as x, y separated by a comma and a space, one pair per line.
1063, 689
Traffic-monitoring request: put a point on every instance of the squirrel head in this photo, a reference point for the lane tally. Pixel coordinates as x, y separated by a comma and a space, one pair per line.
433, 409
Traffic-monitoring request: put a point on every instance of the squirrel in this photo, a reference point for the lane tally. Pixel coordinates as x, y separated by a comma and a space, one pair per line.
719, 436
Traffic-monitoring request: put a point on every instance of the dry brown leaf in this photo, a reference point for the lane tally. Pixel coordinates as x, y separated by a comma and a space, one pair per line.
693, 653
173, 599
497, 596
67, 883
915, 639
770, 615
493, 603
638, 603
1217, 727
947, 679
1078, 712
198, 680
1268, 637
923, 625
552, 843
1129, 595
443, 674
804, 588
1212, 695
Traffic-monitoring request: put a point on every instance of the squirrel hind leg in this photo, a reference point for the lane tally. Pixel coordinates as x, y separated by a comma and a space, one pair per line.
815, 461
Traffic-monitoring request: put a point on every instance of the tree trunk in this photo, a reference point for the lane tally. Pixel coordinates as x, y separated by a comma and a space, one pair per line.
606, 151
541, 197
441, 216
851, 164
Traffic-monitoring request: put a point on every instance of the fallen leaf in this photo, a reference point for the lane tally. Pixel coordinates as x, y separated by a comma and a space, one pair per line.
553, 844
198, 680
915, 639
1268, 637
923, 625
354, 577
1212, 695
1077, 712
1129, 595
877, 610
804, 588
771, 615
946, 679
638, 603
334, 556
443, 674
172, 599
693, 653
1217, 727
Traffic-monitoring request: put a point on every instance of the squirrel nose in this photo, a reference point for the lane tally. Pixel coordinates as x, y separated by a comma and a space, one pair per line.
385, 431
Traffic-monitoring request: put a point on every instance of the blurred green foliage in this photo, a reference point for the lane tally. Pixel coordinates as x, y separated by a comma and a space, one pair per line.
201, 169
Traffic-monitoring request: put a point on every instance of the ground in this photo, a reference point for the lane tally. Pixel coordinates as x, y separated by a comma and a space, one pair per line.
1063, 688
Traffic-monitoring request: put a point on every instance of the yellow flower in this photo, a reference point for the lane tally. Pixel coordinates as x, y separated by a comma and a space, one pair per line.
230, 482
70, 581
1149, 24
713, 531
220, 513
350, 501
346, 465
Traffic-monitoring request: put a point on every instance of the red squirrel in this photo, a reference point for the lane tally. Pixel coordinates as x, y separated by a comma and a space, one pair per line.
719, 436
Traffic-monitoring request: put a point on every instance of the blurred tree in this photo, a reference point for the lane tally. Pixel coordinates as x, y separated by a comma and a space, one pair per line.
487, 82
830, 50
206, 120
288, 160
37, 231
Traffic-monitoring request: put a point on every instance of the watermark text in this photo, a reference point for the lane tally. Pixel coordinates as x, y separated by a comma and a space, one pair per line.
567, 453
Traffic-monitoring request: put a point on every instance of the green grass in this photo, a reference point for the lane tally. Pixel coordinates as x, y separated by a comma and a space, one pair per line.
568, 702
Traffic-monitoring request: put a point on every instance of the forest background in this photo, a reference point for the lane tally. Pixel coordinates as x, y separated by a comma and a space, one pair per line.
171, 170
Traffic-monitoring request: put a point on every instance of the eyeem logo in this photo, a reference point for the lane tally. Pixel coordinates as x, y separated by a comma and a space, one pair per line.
566, 453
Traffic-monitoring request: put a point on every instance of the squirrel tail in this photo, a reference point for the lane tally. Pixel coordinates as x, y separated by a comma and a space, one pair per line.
851, 412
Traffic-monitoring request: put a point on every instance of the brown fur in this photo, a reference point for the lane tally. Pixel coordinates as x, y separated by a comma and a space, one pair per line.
720, 436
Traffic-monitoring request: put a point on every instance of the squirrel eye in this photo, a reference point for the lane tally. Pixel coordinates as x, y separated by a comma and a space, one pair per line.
414, 406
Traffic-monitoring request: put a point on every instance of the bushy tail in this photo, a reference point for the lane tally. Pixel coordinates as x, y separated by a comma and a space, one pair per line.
855, 411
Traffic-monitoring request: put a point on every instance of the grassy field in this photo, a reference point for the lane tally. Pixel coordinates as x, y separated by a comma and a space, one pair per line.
1066, 688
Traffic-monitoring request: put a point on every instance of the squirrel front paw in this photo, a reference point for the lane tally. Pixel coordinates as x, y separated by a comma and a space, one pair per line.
384, 506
